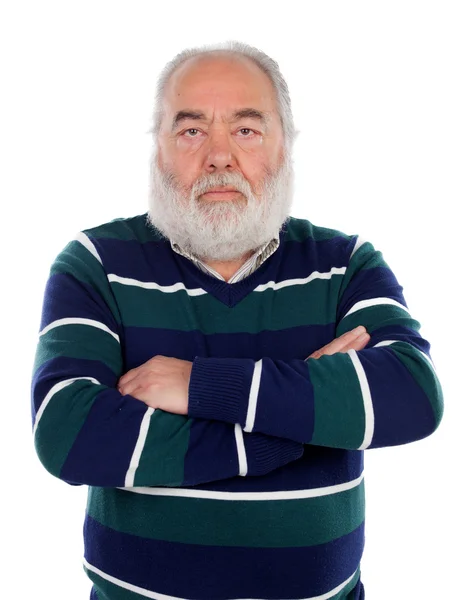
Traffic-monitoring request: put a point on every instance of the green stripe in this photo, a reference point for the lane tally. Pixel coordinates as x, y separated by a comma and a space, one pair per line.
62, 421
300, 230
253, 524
365, 257
425, 376
376, 317
80, 263
109, 591
134, 228
79, 341
339, 420
313, 303
164, 452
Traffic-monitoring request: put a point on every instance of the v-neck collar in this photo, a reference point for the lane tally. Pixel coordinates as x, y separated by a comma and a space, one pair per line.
232, 293
253, 262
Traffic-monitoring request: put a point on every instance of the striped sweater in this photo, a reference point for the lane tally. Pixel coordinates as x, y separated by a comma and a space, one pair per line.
259, 491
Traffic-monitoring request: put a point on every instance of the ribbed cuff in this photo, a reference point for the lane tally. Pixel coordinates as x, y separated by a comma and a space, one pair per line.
219, 389
265, 453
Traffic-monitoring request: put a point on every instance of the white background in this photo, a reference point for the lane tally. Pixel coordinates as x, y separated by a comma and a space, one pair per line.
377, 98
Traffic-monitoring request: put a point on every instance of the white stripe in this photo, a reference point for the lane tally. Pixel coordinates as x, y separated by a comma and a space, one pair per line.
85, 241
385, 343
128, 586
54, 390
135, 460
358, 243
429, 361
253, 394
374, 302
311, 277
158, 596
78, 321
334, 591
424, 355
241, 450
151, 285
367, 401
326, 490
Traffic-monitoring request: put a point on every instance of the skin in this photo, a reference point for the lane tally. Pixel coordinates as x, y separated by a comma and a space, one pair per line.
217, 142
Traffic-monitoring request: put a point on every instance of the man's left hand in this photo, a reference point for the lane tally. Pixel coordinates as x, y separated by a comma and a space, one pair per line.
162, 382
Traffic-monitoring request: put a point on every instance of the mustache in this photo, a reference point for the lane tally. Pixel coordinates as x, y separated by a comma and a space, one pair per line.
206, 182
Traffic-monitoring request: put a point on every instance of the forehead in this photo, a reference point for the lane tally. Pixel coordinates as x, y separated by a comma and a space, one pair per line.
222, 84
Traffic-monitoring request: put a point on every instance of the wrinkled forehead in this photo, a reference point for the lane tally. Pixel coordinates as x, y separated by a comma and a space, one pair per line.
219, 87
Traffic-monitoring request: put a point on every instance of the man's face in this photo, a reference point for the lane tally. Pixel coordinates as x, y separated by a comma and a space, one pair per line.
220, 159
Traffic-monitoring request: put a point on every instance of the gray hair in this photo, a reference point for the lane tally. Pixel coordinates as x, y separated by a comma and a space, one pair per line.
265, 63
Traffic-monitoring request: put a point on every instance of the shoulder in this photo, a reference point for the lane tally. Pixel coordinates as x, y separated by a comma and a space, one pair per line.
101, 247
137, 228
319, 238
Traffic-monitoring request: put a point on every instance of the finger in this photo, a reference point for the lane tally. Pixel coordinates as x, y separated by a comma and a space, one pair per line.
143, 382
345, 341
342, 343
360, 342
135, 372
134, 390
127, 387
129, 376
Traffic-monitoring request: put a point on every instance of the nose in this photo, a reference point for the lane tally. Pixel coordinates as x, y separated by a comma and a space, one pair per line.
219, 153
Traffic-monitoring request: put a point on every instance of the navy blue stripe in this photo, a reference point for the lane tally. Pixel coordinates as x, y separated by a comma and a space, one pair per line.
101, 452
156, 261
318, 467
285, 410
284, 344
378, 282
401, 334
198, 572
402, 410
58, 369
210, 439
358, 593
300, 259
66, 297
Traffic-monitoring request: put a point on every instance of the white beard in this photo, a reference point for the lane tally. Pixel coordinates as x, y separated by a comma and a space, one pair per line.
220, 230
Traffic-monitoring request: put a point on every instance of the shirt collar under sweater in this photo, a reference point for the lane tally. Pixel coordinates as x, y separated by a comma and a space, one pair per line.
251, 265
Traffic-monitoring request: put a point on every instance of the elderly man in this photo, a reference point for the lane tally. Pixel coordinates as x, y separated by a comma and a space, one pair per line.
214, 369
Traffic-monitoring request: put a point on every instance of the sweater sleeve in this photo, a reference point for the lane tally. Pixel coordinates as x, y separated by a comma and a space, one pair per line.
384, 395
86, 432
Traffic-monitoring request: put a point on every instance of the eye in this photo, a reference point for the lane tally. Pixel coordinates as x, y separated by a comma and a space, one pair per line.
248, 130
188, 130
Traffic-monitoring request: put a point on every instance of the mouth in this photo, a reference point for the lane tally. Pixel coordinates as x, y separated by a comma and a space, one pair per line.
221, 189
222, 193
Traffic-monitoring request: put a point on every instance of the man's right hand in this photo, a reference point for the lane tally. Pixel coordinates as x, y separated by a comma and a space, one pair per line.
356, 339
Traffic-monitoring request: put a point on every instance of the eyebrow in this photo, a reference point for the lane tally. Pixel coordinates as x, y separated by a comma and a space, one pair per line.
244, 113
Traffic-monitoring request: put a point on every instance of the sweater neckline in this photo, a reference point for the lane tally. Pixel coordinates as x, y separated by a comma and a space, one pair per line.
231, 294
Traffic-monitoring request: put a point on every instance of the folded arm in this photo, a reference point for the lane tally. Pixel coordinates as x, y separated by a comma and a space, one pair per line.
87, 432
386, 394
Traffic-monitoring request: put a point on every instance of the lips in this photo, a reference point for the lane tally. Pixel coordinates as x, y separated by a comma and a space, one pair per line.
221, 190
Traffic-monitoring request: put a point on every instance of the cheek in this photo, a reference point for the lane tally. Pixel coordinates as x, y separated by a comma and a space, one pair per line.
184, 145
256, 170
185, 171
